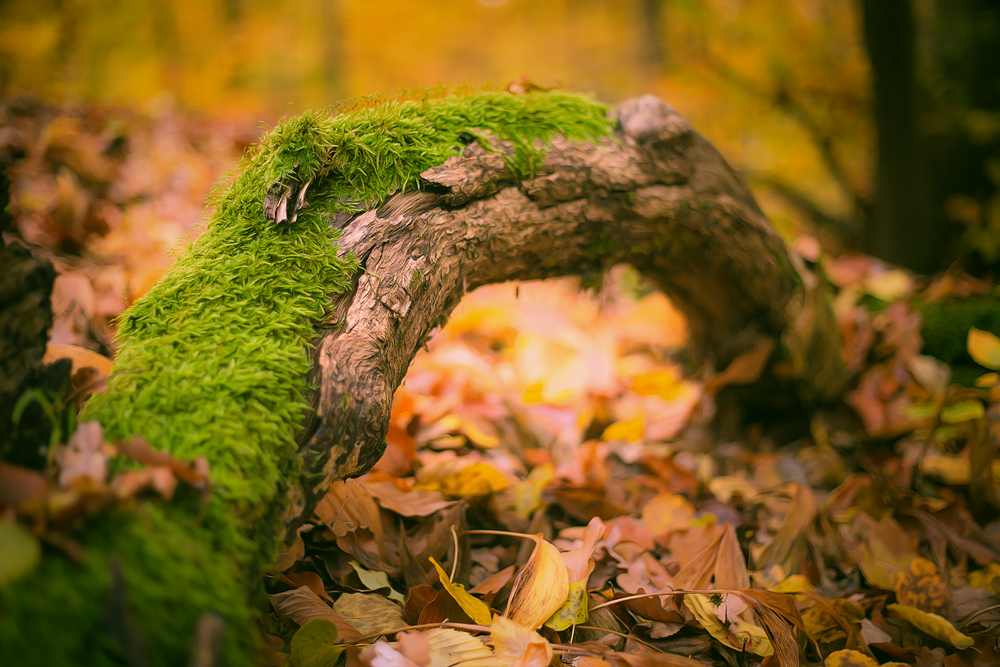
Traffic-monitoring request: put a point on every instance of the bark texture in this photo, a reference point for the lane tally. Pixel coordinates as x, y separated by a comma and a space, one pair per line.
656, 195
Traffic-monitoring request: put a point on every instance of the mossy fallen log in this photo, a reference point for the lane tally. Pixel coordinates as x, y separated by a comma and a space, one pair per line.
274, 344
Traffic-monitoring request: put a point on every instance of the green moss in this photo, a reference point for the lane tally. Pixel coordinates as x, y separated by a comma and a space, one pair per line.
946, 327
213, 362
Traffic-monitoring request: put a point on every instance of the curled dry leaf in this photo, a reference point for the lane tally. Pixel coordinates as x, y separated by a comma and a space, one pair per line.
541, 587
933, 625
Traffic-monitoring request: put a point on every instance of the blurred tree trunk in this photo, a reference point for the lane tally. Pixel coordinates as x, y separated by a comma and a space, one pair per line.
902, 222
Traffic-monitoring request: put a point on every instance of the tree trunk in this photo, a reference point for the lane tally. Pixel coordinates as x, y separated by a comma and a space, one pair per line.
901, 228
653, 193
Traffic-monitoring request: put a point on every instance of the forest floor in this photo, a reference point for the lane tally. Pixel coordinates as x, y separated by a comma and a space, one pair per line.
553, 455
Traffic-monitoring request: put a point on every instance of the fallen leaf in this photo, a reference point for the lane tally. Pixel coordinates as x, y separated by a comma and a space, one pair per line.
411, 502
849, 658
374, 581
474, 607
667, 512
302, 605
371, 614
313, 645
736, 634
512, 642
984, 348
932, 624
540, 588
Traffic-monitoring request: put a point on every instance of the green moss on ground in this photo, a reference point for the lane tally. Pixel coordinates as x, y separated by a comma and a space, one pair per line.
945, 330
213, 362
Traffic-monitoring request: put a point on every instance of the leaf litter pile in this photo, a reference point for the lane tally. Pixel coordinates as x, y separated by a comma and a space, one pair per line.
555, 489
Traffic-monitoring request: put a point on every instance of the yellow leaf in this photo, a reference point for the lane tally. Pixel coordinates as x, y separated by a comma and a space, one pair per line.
987, 578
849, 658
528, 494
933, 625
793, 584
574, 611
962, 411
988, 380
540, 588
952, 470
984, 347
665, 383
735, 634
478, 479
474, 607
629, 430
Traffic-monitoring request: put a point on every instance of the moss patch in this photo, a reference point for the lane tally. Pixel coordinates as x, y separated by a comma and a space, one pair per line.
946, 327
213, 362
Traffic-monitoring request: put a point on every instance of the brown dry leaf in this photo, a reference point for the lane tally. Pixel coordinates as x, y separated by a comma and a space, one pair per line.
789, 544
370, 613
651, 660
310, 579
886, 548
579, 563
194, 472
410, 502
302, 605
730, 568
353, 516
697, 573
541, 587
22, 489
771, 610
494, 582
746, 368
128, 483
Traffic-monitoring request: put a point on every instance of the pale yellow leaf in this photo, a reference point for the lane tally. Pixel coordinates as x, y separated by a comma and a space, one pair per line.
473, 606
984, 348
540, 588
933, 625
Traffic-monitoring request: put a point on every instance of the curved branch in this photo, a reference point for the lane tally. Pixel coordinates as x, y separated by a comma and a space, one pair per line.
656, 195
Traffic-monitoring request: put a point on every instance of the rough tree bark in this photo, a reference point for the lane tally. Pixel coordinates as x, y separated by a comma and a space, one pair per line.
656, 195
